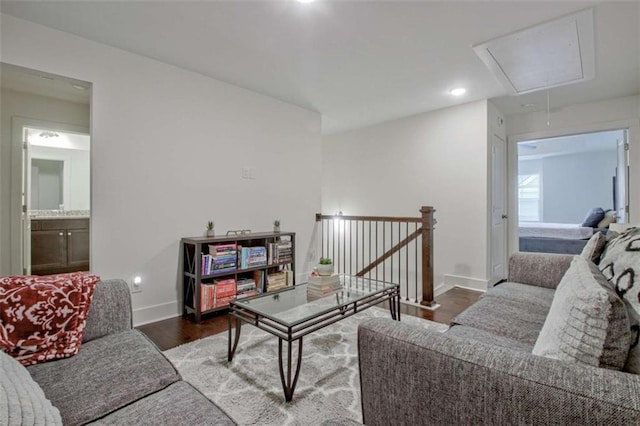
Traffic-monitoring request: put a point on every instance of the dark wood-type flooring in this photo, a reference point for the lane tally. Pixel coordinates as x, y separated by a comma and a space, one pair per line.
176, 331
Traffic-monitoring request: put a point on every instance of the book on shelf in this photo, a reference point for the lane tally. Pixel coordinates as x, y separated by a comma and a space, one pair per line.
259, 279
214, 295
276, 281
246, 287
280, 252
252, 256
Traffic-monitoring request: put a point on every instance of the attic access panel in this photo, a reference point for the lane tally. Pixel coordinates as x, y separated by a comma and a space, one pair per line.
548, 55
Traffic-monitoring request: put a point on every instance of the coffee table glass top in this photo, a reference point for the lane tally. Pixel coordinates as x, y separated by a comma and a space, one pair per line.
292, 306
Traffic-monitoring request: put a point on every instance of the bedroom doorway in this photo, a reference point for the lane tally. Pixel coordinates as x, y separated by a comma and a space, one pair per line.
564, 181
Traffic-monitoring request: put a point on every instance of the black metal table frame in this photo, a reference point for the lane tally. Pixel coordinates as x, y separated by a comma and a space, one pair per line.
290, 332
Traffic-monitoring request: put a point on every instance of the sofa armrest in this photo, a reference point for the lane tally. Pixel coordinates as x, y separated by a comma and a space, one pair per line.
410, 375
110, 310
538, 269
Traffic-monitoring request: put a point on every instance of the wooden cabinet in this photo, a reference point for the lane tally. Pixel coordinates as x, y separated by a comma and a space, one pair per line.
59, 245
196, 275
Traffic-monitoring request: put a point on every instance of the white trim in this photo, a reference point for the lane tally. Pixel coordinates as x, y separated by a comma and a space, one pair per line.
155, 313
465, 282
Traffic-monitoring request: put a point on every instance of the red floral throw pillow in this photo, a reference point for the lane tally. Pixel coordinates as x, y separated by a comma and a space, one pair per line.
42, 318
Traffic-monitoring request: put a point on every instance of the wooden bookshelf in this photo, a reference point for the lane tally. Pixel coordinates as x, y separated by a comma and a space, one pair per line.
194, 249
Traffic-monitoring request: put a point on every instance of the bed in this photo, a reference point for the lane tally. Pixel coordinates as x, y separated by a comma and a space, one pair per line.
566, 238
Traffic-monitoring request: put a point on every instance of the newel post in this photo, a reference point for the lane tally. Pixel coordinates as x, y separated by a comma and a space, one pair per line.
428, 223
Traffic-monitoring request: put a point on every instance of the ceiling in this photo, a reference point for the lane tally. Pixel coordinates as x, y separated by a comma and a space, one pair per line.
355, 62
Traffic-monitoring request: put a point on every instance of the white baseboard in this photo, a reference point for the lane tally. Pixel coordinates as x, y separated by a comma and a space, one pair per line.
441, 288
465, 282
155, 313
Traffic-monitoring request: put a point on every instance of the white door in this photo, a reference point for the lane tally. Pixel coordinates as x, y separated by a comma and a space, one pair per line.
498, 209
622, 177
26, 201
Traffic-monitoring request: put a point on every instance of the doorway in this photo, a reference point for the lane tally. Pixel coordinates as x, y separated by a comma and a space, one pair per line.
39, 105
560, 180
57, 198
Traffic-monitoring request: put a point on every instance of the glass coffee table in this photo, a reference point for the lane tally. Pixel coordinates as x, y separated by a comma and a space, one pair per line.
290, 315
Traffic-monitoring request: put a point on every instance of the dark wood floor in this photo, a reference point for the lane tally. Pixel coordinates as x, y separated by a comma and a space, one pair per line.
176, 331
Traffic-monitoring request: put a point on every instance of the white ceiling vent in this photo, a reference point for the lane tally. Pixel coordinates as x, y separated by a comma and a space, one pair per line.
548, 55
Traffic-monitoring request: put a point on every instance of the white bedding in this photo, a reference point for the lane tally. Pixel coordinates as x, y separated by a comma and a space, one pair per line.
568, 231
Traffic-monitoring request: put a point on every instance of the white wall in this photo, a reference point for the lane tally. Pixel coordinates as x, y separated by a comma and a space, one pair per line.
438, 159
574, 184
168, 146
17, 104
610, 114
77, 177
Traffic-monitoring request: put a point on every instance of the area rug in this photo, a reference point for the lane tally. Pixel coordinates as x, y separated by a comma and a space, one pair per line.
249, 390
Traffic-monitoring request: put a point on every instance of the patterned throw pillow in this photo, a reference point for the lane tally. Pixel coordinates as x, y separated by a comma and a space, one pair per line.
594, 247
587, 322
43, 318
620, 264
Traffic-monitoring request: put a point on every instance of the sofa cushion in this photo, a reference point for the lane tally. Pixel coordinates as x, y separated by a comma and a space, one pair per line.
587, 322
106, 374
43, 318
22, 402
523, 293
177, 404
514, 319
620, 264
594, 247
470, 333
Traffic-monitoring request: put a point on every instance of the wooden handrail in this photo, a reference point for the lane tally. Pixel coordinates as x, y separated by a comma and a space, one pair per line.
320, 217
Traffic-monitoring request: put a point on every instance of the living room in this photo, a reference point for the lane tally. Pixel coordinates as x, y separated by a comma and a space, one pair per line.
161, 133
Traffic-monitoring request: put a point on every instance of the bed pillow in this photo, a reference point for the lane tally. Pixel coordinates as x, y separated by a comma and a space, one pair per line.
22, 401
587, 322
593, 217
43, 318
609, 218
594, 247
620, 264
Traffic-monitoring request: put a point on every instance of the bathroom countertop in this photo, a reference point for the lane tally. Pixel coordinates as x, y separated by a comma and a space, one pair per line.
57, 217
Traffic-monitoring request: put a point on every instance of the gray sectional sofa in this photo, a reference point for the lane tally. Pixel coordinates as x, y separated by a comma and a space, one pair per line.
119, 377
482, 370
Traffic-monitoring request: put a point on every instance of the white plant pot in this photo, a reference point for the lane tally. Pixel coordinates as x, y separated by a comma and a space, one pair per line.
211, 233
325, 269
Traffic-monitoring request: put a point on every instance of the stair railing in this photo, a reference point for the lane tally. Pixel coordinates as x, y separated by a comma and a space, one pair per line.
391, 249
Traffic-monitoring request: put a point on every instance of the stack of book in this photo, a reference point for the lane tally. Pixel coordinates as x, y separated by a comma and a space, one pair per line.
221, 258
224, 292
246, 287
252, 256
280, 252
276, 281
320, 286
218, 294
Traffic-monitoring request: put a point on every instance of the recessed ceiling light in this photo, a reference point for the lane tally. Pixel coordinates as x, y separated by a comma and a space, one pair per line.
458, 91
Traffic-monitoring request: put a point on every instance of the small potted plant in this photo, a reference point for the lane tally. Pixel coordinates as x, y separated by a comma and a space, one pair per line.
325, 266
276, 225
210, 231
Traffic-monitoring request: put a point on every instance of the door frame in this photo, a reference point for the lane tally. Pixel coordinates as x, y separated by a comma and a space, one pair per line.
633, 133
19, 229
